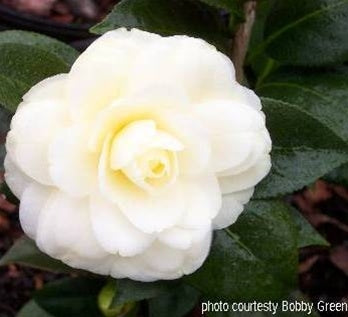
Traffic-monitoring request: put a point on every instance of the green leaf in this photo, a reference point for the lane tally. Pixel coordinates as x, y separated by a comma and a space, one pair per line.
307, 235
256, 259
168, 17
232, 6
308, 32
176, 303
304, 149
63, 51
338, 175
27, 58
5, 120
324, 94
32, 309
11, 91
71, 297
26, 253
131, 291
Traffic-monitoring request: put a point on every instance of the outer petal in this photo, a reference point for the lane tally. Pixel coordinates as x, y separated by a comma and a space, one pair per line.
203, 201
15, 178
33, 202
230, 210
65, 230
163, 262
181, 238
32, 129
181, 61
246, 96
50, 88
234, 131
113, 230
100, 74
73, 168
248, 178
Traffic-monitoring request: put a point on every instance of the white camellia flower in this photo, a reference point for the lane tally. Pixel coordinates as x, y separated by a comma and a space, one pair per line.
122, 165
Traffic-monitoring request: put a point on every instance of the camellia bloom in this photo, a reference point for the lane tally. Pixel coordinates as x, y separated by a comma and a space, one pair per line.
127, 164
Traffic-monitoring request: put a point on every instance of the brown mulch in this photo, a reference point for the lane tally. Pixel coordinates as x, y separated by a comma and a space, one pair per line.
64, 11
323, 271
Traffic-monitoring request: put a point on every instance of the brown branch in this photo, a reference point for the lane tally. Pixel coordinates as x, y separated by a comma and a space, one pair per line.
242, 38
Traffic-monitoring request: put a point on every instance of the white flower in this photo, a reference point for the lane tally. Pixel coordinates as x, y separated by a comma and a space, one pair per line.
121, 164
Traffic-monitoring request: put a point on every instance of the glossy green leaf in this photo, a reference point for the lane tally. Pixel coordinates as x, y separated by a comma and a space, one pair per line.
130, 291
176, 303
25, 252
307, 234
27, 58
256, 259
167, 17
71, 297
32, 309
308, 32
323, 93
63, 51
304, 149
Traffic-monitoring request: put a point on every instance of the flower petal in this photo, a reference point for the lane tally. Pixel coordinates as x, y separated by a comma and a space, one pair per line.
32, 129
15, 178
149, 213
113, 230
248, 178
181, 238
33, 202
65, 230
50, 88
191, 64
73, 168
130, 141
203, 201
100, 74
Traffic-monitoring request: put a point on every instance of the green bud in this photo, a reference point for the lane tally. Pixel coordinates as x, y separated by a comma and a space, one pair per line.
105, 298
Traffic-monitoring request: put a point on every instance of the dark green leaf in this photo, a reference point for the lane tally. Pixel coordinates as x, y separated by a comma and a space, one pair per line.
304, 149
338, 175
256, 259
71, 297
167, 17
324, 94
26, 253
11, 91
261, 64
5, 119
60, 49
308, 32
307, 234
27, 58
130, 291
232, 6
176, 303
32, 309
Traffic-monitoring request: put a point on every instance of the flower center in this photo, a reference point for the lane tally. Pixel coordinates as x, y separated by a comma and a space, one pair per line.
147, 156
